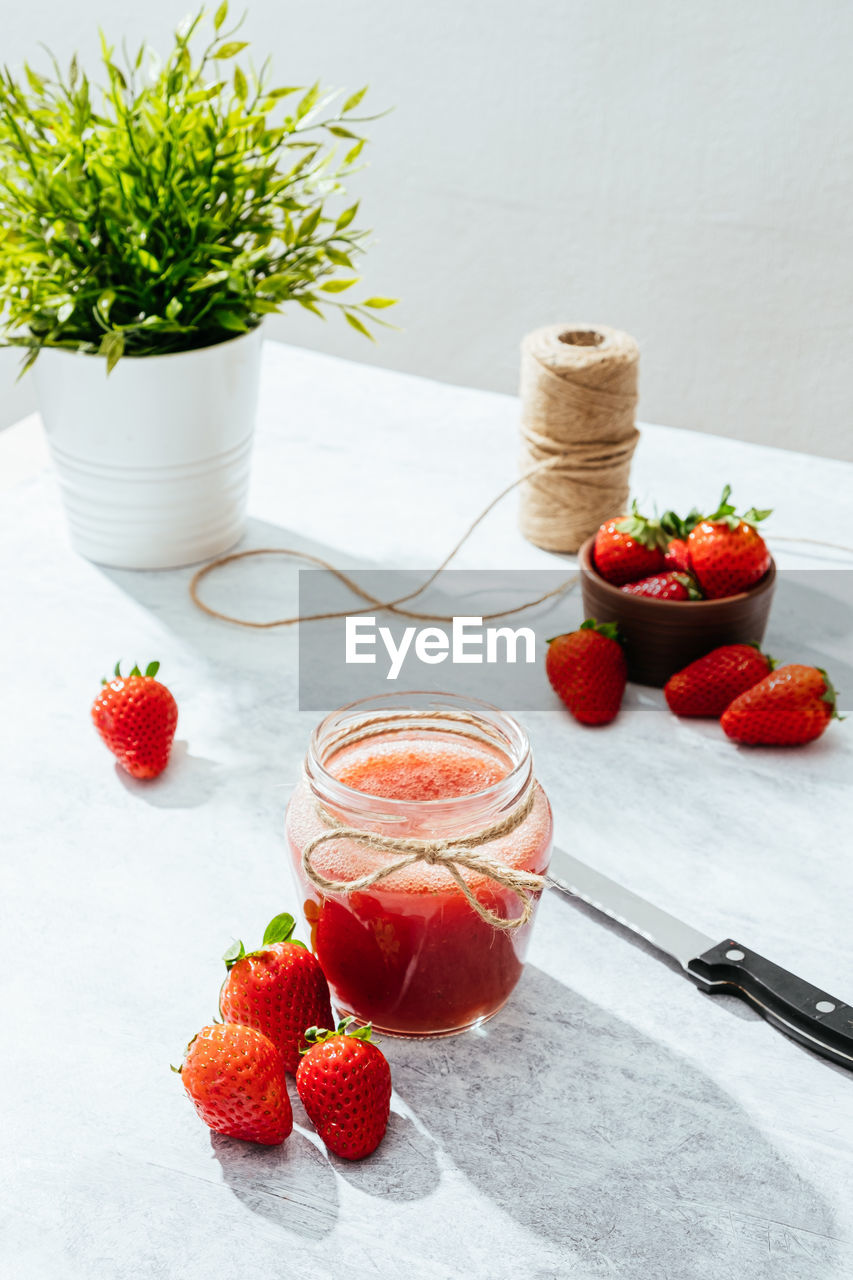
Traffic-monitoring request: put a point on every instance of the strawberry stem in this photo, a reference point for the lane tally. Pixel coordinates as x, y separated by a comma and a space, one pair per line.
643, 529
317, 1035
608, 629
829, 695
727, 514
279, 929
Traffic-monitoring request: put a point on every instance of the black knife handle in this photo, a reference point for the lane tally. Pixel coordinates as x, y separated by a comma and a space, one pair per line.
805, 1013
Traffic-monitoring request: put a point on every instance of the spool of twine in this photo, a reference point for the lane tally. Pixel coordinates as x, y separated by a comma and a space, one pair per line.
578, 399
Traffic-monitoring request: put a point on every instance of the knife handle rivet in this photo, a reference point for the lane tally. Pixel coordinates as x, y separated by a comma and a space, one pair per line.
734, 954
825, 1006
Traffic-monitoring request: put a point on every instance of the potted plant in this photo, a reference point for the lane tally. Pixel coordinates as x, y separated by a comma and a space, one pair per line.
147, 227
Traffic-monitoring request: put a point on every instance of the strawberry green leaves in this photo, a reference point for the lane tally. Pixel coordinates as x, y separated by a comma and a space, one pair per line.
279, 929
154, 213
317, 1035
608, 629
150, 672
726, 512
234, 953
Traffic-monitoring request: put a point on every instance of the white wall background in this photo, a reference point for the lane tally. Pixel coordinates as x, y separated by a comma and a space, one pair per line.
680, 169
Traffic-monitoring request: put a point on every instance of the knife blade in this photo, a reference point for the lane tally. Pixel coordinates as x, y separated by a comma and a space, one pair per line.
812, 1017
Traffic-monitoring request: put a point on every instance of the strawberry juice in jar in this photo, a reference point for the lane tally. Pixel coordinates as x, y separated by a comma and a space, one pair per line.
409, 953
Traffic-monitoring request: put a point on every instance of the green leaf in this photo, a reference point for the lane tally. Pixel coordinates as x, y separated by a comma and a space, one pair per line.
241, 87
230, 49
377, 303
220, 15
311, 306
231, 320
105, 302
346, 217
279, 929
308, 225
35, 81
173, 308
340, 132
338, 286
116, 74
152, 669
234, 953
357, 324
112, 346
352, 102
147, 260
339, 258
207, 281
28, 362
354, 152
305, 103
274, 94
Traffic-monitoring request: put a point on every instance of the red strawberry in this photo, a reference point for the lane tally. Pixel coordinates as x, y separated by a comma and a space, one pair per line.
136, 717
629, 547
235, 1078
677, 528
792, 705
279, 989
588, 671
665, 586
727, 553
344, 1082
677, 555
708, 685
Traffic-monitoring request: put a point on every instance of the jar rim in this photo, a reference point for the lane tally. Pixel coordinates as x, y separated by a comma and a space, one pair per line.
373, 716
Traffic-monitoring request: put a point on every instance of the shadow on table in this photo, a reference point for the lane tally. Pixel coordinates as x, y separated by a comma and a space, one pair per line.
811, 621
292, 1186
187, 783
602, 1141
259, 588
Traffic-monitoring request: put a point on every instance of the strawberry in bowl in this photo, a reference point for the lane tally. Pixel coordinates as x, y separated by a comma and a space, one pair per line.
678, 586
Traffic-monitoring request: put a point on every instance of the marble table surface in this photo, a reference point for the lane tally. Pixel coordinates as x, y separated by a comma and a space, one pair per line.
612, 1120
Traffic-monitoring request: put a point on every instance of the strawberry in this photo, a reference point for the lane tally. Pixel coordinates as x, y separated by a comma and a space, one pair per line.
344, 1082
279, 989
665, 586
235, 1079
588, 671
792, 705
727, 553
677, 555
629, 547
708, 685
677, 528
136, 717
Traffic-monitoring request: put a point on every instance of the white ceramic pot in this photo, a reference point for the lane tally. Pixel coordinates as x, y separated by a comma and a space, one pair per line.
152, 460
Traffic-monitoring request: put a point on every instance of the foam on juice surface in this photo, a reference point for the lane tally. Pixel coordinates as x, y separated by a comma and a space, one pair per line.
419, 770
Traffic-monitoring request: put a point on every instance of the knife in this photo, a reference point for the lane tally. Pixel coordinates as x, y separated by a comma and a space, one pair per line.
807, 1014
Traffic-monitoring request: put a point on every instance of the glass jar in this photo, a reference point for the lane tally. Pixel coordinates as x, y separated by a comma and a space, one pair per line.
410, 953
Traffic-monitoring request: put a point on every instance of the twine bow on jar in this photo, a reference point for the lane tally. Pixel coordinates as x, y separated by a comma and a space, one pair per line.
451, 854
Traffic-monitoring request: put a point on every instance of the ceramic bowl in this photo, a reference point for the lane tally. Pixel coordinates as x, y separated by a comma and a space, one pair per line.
662, 636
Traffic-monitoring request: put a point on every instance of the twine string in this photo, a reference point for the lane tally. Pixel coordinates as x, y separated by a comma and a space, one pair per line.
372, 601
450, 854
